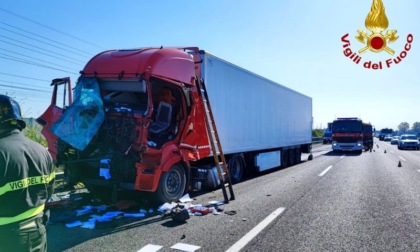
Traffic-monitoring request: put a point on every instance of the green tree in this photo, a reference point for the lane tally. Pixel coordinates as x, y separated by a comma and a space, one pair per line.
404, 126
317, 133
416, 127
33, 131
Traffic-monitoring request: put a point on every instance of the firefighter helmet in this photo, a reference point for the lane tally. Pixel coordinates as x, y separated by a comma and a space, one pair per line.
10, 112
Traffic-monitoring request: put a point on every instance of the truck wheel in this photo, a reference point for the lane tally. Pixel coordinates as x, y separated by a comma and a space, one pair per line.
236, 166
298, 156
284, 158
291, 157
172, 184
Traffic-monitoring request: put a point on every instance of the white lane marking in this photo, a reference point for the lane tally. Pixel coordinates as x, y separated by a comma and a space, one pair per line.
185, 247
343, 156
325, 171
255, 231
392, 151
150, 248
402, 158
418, 170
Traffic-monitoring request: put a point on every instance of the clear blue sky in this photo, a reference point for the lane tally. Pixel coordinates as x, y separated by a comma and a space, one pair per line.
295, 43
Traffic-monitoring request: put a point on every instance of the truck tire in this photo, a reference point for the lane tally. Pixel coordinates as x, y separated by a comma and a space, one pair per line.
292, 157
284, 158
172, 184
298, 156
236, 166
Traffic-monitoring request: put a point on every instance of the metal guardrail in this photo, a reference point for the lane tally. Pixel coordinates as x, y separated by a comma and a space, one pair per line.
317, 139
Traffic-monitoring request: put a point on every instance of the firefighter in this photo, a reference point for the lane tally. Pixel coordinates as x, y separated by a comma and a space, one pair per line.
26, 183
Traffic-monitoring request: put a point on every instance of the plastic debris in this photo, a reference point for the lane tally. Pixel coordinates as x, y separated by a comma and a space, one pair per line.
185, 198
166, 206
134, 215
199, 209
216, 203
74, 224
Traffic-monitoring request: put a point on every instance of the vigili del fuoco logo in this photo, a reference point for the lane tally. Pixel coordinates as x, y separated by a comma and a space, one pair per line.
377, 40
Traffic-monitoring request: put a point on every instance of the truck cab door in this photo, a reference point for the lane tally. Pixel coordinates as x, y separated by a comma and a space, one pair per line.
61, 89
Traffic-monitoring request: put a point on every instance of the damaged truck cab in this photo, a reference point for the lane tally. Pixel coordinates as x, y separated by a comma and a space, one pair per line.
135, 123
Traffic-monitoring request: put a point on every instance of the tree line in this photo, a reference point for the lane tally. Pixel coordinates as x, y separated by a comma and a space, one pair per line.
405, 126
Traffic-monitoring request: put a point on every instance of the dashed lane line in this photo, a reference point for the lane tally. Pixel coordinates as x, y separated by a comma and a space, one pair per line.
255, 231
150, 248
179, 247
325, 171
403, 159
343, 156
185, 247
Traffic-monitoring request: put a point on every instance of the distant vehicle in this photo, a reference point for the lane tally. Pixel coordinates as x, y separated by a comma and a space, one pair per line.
327, 137
385, 132
408, 141
388, 138
394, 139
327, 134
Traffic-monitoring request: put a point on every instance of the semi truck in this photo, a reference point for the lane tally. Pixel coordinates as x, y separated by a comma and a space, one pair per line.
136, 121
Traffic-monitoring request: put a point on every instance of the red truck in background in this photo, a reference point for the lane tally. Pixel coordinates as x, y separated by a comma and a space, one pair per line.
368, 136
351, 134
347, 134
137, 122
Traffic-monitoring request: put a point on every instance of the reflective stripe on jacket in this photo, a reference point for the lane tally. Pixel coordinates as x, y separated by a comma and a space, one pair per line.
26, 182
25, 215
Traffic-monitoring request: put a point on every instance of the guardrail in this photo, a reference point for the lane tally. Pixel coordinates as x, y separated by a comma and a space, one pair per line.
317, 139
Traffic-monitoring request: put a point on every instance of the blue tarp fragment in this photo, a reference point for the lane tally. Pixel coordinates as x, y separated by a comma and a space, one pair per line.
83, 118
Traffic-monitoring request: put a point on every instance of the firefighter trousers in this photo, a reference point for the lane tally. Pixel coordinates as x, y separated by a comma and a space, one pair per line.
27, 236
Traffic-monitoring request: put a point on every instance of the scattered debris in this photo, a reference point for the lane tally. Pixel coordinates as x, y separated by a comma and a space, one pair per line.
186, 198
179, 214
230, 212
81, 211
